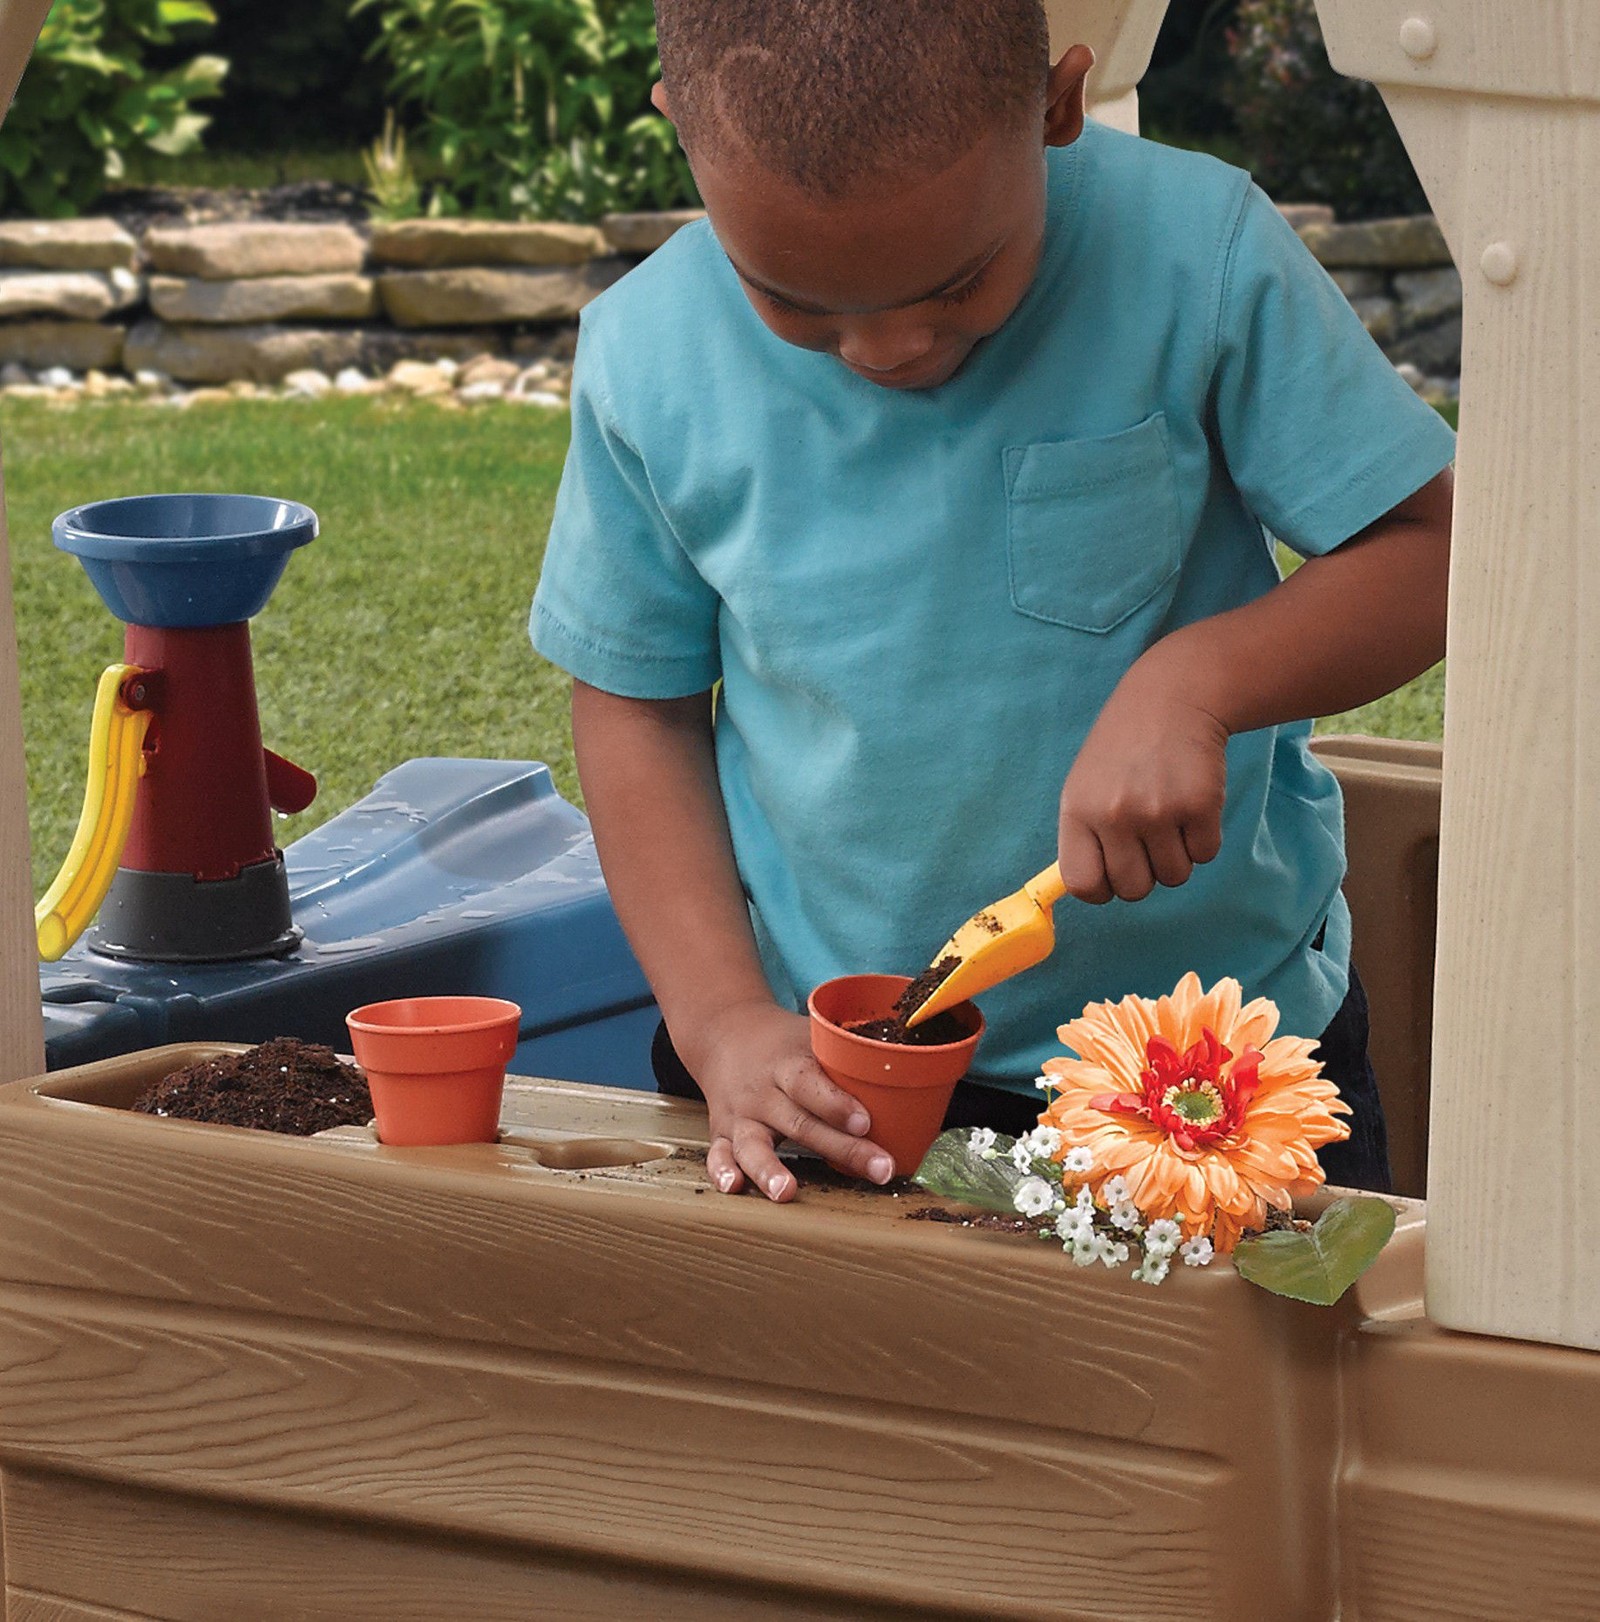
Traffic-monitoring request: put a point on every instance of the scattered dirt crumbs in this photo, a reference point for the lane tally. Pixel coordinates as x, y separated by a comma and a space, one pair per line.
995, 1221
924, 986
285, 1085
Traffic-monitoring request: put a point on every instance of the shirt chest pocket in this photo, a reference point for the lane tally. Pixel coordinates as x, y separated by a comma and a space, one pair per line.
1093, 531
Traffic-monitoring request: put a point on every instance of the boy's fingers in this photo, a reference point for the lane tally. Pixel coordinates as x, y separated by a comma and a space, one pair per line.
1202, 838
1083, 866
1169, 859
1127, 866
858, 1157
722, 1168
812, 1091
753, 1148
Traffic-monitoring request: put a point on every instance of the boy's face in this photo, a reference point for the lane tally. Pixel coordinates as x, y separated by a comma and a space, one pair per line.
898, 281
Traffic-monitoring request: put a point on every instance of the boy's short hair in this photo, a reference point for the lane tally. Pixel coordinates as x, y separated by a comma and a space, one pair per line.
829, 93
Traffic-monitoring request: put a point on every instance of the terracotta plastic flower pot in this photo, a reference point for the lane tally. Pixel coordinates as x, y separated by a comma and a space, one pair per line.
906, 1089
436, 1066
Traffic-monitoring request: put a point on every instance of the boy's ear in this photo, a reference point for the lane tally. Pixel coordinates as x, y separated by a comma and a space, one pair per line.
1064, 96
658, 100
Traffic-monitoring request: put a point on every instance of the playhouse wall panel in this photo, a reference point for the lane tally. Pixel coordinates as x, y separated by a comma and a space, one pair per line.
768, 1487
86, 1549
1469, 1486
213, 1216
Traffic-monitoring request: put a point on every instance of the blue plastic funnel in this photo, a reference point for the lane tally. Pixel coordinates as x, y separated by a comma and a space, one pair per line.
183, 561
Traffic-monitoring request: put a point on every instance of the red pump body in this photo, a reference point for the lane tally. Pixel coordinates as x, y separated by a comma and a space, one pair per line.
204, 805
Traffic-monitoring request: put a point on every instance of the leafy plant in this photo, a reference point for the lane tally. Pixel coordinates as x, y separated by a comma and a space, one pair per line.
391, 181
533, 109
91, 93
1311, 134
1320, 1263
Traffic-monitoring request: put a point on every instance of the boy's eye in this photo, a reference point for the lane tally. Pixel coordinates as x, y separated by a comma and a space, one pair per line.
779, 302
968, 289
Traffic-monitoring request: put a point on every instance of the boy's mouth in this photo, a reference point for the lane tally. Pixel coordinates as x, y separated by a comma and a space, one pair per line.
923, 373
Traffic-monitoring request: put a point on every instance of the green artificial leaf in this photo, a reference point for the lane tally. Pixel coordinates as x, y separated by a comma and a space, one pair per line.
1321, 1265
951, 1168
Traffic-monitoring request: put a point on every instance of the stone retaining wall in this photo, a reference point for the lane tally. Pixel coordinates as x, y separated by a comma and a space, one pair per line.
261, 302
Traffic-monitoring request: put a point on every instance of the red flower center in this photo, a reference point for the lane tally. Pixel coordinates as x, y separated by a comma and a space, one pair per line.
1187, 1095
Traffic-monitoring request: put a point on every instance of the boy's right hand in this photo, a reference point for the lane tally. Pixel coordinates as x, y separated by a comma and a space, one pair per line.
753, 1062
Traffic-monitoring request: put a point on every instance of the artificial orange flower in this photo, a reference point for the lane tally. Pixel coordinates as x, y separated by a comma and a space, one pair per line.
1206, 1115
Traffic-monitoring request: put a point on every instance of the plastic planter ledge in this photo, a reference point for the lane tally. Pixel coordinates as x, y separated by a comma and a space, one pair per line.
556, 1375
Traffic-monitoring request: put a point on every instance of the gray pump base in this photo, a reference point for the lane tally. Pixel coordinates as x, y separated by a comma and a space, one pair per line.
173, 918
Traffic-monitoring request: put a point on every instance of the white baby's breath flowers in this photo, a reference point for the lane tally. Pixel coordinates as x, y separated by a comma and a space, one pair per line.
1154, 1268
1085, 1252
1034, 1196
982, 1140
1125, 1215
1042, 1142
1112, 1252
1162, 1237
1114, 1190
1196, 1252
1078, 1161
1074, 1228
1084, 1202
1022, 1155
1044, 1084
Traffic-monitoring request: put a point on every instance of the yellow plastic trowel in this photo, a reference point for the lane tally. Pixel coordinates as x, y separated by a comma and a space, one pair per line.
1002, 940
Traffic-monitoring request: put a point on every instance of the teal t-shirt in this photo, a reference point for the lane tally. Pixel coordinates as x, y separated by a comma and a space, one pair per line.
917, 602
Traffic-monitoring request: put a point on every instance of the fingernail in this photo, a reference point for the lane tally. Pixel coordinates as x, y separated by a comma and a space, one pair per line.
725, 1181
858, 1123
776, 1185
880, 1168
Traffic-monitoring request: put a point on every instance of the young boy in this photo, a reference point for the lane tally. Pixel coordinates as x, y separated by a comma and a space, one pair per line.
947, 448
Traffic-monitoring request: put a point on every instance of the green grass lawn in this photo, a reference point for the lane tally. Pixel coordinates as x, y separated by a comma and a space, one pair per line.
399, 632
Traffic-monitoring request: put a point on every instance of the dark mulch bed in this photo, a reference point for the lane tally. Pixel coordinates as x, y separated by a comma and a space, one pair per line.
302, 202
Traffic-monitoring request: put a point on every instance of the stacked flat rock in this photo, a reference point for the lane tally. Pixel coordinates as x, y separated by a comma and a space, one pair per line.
452, 273
59, 281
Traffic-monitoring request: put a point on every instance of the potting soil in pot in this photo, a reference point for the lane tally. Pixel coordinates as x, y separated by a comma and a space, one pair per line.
284, 1085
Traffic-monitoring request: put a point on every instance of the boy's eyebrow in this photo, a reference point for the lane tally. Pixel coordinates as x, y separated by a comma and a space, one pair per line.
965, 273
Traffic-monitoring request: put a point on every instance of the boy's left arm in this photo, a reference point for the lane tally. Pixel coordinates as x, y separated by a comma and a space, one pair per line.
1143, 802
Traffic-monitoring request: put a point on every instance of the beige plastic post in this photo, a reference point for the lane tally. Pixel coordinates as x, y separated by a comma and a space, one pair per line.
1123, 34
1499, 106
21, 1030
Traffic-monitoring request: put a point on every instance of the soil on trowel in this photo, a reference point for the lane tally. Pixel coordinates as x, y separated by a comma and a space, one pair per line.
924, 986
285, 1085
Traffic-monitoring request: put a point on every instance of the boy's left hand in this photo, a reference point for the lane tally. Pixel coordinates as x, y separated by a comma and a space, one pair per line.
1143, 802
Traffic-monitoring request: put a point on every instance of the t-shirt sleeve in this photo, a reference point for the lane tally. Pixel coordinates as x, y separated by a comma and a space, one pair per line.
620, 604
1320, 434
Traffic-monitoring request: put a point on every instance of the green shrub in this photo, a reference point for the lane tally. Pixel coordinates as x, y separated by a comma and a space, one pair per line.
1311, 134
533, 109
91, 93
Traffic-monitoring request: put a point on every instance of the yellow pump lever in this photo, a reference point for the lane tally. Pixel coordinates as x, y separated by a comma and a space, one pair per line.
116, 763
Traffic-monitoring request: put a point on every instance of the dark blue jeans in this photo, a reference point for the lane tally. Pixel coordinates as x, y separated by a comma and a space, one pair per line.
1360, 1161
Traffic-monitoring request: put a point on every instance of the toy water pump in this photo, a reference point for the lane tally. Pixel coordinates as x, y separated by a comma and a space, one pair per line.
175, 848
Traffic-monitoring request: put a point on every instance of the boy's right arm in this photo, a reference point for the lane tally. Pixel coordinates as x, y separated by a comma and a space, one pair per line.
649, 778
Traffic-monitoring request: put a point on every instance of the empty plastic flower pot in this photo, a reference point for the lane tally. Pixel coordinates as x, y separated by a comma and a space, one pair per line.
436, 1066
906, 1088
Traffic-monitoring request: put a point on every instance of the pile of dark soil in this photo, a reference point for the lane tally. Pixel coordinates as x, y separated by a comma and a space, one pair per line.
303, 202
285, 1085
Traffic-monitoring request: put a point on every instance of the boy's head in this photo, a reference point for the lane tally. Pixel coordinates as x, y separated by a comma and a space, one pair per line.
874, 170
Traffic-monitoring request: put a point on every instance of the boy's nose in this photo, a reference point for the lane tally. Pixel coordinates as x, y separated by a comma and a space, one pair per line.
885, 348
